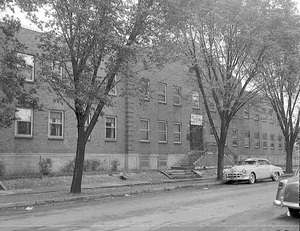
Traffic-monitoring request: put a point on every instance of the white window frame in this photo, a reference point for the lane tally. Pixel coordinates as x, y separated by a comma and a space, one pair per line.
62, 125
247, 112
257, 140
235, 137
265, 140
115, 128
196, 99
177, 132
87, 123
162, 93
280, 142
147, 130
113, 90
247, 139
163, 132
176, 95
57, 68
25, 56
18, 120
146, 93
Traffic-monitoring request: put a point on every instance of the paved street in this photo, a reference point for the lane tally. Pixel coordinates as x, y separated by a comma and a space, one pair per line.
225, 207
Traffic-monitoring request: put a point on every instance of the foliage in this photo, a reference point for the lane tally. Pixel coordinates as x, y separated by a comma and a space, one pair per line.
114, 165
45, 166
280, 75
14, 91
2, 168
89, 43
90, 165
224, 42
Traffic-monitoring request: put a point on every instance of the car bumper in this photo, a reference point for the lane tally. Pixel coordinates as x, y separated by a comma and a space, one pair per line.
283, 203
236, 178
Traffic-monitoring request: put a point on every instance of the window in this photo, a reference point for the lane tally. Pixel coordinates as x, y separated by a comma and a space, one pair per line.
256, 140
177, 133
176, 96
87, 123
264, 115
271, 116
212, 106
272, 141
57, 69
234, 137
56, 124
195, 99
247, 139
145, 89
265, 140
110, 128
246, 112
113, 89
27, 71
24, 122
162, 130
211, 132
144, 130
162, 93
280, 142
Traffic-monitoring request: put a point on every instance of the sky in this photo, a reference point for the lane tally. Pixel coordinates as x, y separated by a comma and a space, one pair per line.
27, 24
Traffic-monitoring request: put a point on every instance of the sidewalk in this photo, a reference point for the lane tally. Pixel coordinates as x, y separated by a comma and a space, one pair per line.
40, 196
96, 191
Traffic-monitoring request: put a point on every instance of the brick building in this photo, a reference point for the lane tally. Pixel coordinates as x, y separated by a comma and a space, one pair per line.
169, 126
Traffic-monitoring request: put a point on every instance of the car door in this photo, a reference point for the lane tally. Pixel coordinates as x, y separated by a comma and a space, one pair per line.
265, 169
261, 170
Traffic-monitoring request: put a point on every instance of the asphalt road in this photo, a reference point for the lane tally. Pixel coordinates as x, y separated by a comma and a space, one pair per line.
226, 207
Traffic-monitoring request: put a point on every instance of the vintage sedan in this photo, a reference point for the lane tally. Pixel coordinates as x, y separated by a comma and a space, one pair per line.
251, 170
288, 194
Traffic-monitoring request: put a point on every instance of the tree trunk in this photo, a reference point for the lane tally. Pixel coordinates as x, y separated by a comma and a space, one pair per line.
221, 148
289, 157
79, 161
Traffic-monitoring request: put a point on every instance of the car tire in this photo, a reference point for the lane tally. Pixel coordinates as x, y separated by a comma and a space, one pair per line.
275, 176
294, 212
252, 178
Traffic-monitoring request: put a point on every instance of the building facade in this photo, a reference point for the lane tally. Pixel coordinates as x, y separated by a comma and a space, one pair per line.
168, 126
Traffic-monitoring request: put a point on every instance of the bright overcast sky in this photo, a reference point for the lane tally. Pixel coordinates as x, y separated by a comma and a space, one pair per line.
26, 23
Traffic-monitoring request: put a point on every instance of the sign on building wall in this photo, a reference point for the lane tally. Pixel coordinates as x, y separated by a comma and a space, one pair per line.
196, 119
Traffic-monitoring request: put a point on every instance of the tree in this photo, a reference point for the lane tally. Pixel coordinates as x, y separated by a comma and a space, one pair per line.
86, 45
13, 90
281, 75
224, 42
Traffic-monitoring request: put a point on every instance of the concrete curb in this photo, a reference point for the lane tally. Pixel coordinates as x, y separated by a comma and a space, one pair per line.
106, 195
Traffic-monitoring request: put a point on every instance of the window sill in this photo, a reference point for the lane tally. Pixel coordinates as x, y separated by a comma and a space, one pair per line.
161, 102
177, 105
55, 138
162, 142
110, 140
145, 141
177, 143
23, 137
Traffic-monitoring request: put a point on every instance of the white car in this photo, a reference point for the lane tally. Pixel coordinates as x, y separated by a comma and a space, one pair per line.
251, 170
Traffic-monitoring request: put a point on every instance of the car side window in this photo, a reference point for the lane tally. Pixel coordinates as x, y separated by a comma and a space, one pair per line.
261, 162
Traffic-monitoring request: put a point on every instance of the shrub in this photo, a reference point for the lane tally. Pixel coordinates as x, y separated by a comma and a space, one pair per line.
45, 166
114, 165
88, 166
2, 168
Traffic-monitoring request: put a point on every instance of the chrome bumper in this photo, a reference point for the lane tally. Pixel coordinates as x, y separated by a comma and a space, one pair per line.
244, 177
282, 203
